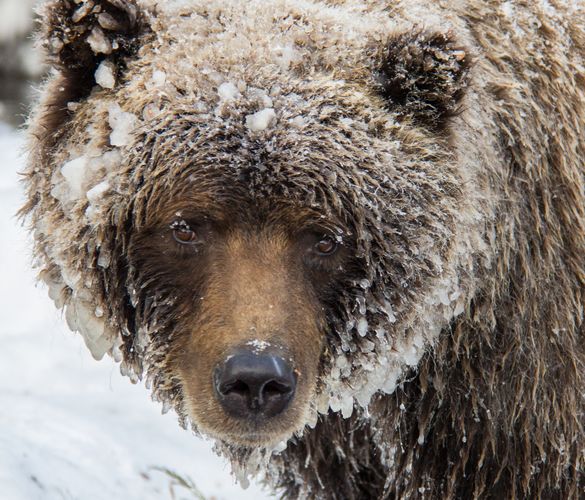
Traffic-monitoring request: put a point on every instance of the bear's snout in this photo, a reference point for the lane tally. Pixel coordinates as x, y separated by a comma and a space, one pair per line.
250, 385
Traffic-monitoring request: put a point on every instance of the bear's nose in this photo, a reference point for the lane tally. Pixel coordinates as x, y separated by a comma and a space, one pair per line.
251, 385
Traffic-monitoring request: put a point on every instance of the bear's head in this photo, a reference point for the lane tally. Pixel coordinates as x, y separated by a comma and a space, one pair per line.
254, 205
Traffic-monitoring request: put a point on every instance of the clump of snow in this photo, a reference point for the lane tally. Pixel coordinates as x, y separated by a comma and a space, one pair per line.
56, 288
362, 327
286, 55
508, 9
80, 173
280, 447
347, 407
158, 81
122, 125
96, 193
98, 42
80, 316
260, 96
105, 75
159, 78
258, 345
104, 259
95, 196
74, 172
261, 120
228, 91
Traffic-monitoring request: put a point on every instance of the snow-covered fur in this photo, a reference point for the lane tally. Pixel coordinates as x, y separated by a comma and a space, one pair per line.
441, 140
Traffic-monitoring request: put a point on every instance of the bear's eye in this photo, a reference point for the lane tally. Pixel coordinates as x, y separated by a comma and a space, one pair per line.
185, 236
326, 246
182, 233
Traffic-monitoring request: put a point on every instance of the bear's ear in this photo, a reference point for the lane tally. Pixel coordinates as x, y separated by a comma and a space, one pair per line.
424, 75
79, 34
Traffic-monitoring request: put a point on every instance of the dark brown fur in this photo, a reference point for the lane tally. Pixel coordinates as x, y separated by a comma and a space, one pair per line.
495, 408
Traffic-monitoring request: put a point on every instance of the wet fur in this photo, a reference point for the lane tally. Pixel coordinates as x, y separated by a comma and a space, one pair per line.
496, 408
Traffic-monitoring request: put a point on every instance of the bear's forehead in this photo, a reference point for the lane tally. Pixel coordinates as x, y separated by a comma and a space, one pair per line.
197, 42
253, 100
243, 179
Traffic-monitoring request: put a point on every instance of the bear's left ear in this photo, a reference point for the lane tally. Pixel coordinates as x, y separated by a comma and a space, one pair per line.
424, 75
79, 34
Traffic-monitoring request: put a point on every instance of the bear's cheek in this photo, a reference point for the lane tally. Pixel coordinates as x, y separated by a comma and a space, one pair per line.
282, 325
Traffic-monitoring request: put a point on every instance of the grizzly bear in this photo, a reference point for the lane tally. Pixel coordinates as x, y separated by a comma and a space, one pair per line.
345, 239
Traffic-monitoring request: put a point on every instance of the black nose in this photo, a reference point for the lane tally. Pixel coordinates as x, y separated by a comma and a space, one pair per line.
250, 385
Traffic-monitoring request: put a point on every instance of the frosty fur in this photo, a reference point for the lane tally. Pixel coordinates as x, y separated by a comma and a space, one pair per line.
448, 139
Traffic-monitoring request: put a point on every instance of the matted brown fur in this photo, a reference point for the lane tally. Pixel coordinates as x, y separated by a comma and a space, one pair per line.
442, 142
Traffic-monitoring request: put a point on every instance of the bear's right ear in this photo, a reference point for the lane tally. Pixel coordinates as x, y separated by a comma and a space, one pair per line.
79, 34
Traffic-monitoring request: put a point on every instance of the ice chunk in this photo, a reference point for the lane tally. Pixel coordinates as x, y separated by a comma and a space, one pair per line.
389, 386
159, 78
122, 125
280, 447
335, 404
261, 120
56, 288
81, 317
105, 75
387, 308
104, 259
98, 42
443, 295
365, 283
228, 91
362, 327
347, 407
411, 355
96, 193
74, 173
361, 304
508, 9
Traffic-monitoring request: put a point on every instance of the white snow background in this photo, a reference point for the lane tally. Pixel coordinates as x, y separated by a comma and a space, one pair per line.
72, 427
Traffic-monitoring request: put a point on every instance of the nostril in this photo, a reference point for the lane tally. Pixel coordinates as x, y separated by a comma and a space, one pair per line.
274, 388
237, 388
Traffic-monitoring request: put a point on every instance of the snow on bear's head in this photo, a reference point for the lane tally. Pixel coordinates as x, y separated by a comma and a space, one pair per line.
253, 205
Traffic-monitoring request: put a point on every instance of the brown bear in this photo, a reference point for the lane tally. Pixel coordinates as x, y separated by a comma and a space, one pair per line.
345, 239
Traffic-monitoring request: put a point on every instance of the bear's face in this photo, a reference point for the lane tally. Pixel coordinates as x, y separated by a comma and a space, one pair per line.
252, 282
266, 231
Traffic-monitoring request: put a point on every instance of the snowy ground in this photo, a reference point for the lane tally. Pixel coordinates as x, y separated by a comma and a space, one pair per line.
71, 427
